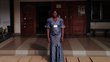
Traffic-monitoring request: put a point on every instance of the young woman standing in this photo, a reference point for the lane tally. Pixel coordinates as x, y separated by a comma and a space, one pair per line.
55, 33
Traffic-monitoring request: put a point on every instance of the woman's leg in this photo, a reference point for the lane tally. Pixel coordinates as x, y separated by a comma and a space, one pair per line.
52, 50
61, 54
56, 51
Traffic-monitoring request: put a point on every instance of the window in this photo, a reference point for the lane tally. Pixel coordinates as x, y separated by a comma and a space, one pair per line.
95, 10
106, 10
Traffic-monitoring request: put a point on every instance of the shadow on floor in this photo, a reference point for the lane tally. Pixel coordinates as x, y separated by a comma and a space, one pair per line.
42, 50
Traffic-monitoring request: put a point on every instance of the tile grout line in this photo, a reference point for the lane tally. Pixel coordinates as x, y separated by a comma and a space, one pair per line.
90, 59
78, 59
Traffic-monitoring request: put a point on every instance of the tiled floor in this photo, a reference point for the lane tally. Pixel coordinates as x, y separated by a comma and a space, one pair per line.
46, 59
87, 46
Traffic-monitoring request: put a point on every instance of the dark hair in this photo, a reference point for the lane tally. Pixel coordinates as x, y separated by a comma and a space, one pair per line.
53, 12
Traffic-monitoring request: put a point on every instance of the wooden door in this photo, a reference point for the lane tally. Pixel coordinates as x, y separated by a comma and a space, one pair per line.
77, 18
28, 20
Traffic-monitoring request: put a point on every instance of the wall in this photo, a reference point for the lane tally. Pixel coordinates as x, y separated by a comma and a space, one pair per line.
17, 28
17, 15
4, 13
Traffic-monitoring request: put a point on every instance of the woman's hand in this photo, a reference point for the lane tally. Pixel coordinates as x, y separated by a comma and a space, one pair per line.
62, 34
48, 44
62, 39
48, 35
48, 40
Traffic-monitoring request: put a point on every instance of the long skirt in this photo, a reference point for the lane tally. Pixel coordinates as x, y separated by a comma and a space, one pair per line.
56, 51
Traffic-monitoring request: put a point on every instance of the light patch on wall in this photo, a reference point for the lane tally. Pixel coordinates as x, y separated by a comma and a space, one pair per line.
4, 13
17, 24
58, 6
81, 10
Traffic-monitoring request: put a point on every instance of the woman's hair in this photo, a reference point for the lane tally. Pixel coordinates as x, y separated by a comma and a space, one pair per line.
53, 12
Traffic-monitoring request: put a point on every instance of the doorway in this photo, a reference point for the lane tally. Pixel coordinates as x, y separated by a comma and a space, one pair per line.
42, 13
28, 19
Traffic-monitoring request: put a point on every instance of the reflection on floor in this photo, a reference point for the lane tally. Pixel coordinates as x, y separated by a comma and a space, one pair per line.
87, 46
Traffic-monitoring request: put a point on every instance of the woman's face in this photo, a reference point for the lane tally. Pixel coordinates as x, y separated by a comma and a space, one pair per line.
55, 14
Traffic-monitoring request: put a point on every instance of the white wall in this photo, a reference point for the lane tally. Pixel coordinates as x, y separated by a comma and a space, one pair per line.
17, 16
4, 13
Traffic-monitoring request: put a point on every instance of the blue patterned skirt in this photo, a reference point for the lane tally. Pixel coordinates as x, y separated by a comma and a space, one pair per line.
56, 50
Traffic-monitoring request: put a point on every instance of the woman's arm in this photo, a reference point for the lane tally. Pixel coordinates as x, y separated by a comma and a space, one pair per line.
62, 34
48, 35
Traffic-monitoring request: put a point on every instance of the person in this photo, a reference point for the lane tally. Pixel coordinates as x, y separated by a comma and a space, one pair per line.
55, 34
